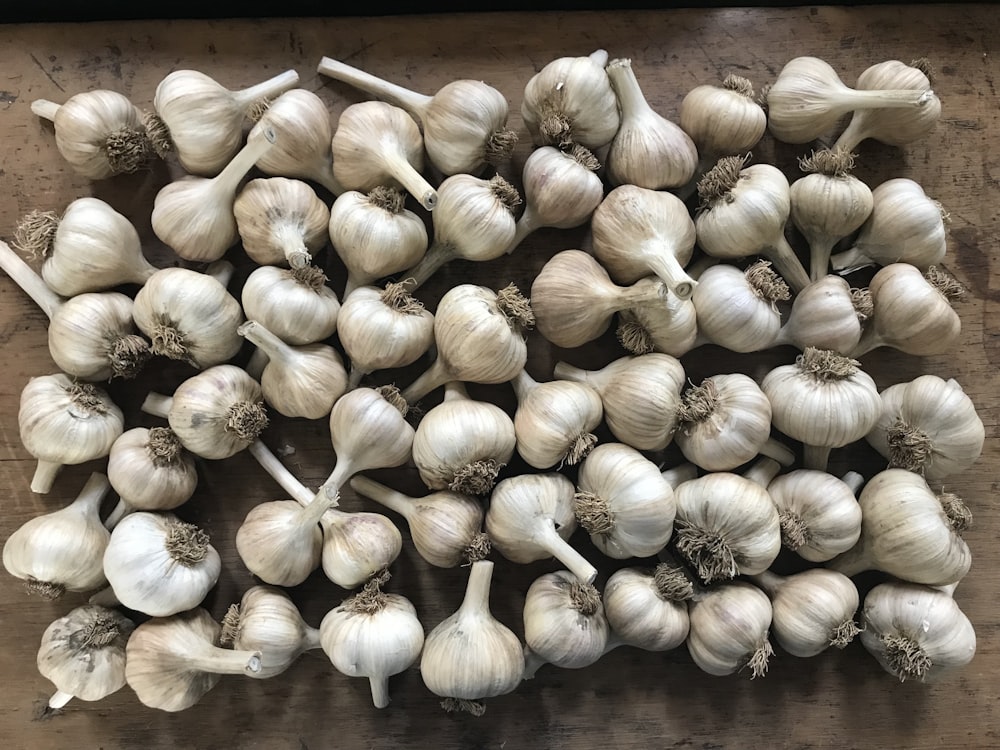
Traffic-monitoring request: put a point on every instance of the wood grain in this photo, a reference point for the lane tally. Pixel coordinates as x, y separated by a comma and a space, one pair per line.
630, 698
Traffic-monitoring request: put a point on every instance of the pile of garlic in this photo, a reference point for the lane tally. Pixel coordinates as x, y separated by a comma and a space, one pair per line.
698, 540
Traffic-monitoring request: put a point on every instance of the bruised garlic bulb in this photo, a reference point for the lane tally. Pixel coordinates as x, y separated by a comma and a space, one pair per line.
280, 221
729, 629
827, 314
647, 608
819, 513
150, 470
738, 310
62, 550
722, 120
294, 304
63, 422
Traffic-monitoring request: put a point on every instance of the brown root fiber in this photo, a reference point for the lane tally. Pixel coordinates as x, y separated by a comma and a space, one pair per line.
634, 337
311, 277
85, 397
394, 396
258, 108
585, 598
864, 307
831, 162
717, 183
758, 660
671, 583
699, 403
826, 365
844, 633
186, 543
766, 284
476, 478
101, 631
739, 84
499, 146
128, 355
924, 66
707, 552
505, 192
36, 232
44, 589
593, 513
959, 515
127, 149
909, 448
397, 298
905, 657
230, 626
515, 307
554, 127
168, 342
584, 157
580, 448
794, 532
371, 598
163, 446
459, 705
158, 134
951, 288
478, 549
247, 419
387, 198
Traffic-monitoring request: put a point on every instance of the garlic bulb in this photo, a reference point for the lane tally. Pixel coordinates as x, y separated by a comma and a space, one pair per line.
725, 422
825, 400
647, 608
738, 310
473, 220
570, 100
377, 143
729, 629
375, 235
280, 221
100, 133
62, 550
295, 304
464, 123
375, 635
189, 315
909, 532
83, 654
828, 204
744, 212
812, 610
928, 425
668, 326
461, 444
561, 190
266, 620
623, 502
382, 329
530, 517
819, 513
808, 98
301, 121
648, 151
637, 231
194, 215
916, 632
171, 662
564, 623
640, 395
203, 121
63, 422
479, 334
297, 381
471, 655
356, 546
554, 420
445, 525
827, 314
723, 120
150, 470
90, 248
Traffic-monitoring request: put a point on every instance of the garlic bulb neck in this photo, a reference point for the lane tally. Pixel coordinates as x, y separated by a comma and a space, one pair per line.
24, 276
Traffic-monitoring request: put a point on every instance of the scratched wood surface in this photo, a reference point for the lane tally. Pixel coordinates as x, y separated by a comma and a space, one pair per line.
630, 698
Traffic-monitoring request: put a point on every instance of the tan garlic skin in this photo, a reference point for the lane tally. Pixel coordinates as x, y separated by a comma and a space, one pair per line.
150, 470
564, 622
266, 620
280, 221
819, 514
723, 120
554, 421
729, 629
294, 304
824, 316
738, 309
92, 336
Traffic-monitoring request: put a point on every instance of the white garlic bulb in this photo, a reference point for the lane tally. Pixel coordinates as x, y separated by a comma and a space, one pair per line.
294, 304
827, 314
647, 608
729, 629
722, 120
738, 310
819, 514
151, 470
280, 221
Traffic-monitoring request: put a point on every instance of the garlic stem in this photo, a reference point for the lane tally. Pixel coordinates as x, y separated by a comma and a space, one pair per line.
566, 371
290, 237
216, 660
355, 376
437, 255
853, 480
59, 699
523, 384
228, 180
273, 347
787, 263
106, 597
763, 471
780, 453
386, 496
343, 471
532, 662
30, 282
380, 690
549, 540
267, 89
285, 479
528, 223
477, 591
433, 377
119, 512
854, 99
600, 57
377, 87
256, 364
157, 405
815, 457
680, 474
44, 476
411, 180
222, 271
45, 108
849, 260
768, 581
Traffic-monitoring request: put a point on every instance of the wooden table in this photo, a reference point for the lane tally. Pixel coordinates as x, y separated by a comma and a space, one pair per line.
630, 698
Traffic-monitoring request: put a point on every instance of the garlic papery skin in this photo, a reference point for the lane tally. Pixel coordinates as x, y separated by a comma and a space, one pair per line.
530, 517
648, 151
356, 546
280, 221
297, 381
90, 248
647, 608
171, 662
916, 632
471, 655
473, 220
743, 212
216, 413
729, 629
205, 120
445, 525
571, 100
668, 326
737, 309
63, 422
62, 550
819, 513
301, 121
189, 315
381, 329
827, 314
889, 126
461, 444
150, 469
825, 400
375, 635
375, 235
159, 565
637, 231
808, 98
194, 215
266, 620
295, 304
83, 654
554, 421
479, 334
725, 422
640, 395
623, 502
928, 425
564, 623
910, 312
723, 120
377, 143
905, 226
464, 123
561, 190
828, 204
908, 532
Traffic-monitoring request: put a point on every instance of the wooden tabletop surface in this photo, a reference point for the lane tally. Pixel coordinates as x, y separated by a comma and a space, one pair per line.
630, 698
